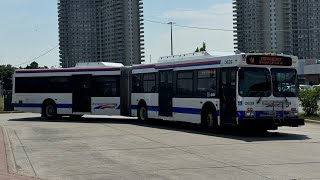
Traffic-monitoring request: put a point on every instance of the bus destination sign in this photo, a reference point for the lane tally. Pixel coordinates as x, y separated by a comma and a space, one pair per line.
269, 60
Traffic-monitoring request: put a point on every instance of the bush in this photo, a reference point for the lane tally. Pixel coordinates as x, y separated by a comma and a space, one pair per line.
309, 101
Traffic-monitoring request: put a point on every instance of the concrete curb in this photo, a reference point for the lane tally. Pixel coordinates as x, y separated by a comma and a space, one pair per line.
12, 171
9, 112
12, 168
312, 121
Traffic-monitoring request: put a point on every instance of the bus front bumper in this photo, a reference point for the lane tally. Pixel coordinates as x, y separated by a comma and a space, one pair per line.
269, 123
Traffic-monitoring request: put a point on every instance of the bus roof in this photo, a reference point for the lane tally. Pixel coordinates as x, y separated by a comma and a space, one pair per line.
208, 60
195, 55
98, 64
80, 67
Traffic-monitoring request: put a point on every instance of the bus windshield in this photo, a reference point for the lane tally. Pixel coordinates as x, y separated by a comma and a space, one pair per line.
283, 81
254, 82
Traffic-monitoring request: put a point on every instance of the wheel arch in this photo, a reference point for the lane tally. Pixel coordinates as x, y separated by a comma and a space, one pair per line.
142, 102
47, 101
207, 107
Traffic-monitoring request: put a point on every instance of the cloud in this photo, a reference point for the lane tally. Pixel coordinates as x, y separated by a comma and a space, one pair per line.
186, 40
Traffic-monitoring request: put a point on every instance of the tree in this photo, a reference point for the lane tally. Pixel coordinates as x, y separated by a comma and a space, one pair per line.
33, 65
6, 72
203, 48
309, 101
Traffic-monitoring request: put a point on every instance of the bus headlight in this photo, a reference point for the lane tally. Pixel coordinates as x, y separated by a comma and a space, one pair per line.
293, 113
250, 114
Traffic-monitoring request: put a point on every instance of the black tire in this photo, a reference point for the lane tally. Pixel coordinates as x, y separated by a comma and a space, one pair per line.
209, 119
75, 117
49, 111
142, 113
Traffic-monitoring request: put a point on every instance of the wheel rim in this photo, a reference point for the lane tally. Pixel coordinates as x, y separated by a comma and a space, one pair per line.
50, 111
143, 113
210, 120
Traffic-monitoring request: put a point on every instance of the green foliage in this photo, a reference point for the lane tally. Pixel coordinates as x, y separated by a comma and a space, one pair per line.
33, 65
6, 72
309, 100
203, 48
312, 117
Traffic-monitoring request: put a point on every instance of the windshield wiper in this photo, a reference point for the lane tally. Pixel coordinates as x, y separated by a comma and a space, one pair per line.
259, 100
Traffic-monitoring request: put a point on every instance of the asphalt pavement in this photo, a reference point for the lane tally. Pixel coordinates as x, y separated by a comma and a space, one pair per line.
124, 148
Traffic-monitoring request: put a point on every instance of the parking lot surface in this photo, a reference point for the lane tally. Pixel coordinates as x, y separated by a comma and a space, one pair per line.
124, 148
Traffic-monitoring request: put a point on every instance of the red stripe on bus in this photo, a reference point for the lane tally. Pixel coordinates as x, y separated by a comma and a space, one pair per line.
67, 70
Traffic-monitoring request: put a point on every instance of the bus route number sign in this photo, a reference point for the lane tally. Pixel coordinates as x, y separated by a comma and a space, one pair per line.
269, 60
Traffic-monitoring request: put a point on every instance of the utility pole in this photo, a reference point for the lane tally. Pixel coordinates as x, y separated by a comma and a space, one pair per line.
171, 23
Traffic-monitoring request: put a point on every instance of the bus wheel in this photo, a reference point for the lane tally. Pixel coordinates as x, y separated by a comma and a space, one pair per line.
50, 111
143, 113
209, 120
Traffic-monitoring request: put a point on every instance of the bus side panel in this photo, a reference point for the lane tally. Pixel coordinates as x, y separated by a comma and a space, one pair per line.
152, 101
33, 102
105, 105
189, 109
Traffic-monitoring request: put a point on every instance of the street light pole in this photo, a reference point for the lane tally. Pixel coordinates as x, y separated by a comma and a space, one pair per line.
171, 23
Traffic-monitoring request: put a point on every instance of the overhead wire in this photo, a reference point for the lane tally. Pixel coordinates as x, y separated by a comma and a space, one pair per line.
41, 55
232, 30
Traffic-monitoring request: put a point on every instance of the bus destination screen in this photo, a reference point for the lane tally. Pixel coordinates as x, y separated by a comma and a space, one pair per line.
269, 60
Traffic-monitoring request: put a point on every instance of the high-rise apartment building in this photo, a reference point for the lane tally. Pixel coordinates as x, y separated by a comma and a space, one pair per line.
280, 26
306, 34
101, 31
259, 25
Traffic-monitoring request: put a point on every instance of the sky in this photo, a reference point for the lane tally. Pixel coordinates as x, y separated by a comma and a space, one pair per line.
29, 28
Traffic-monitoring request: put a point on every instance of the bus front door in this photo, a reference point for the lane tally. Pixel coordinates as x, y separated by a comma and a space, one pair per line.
81, 93
165, 93
228, 84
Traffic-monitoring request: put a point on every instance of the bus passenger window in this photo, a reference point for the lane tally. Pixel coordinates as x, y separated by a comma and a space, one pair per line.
136, 83
207, 83
185, 84
149, 83
107, 86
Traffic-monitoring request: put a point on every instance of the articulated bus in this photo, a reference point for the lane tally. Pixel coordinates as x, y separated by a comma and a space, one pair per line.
255, 89
238, 90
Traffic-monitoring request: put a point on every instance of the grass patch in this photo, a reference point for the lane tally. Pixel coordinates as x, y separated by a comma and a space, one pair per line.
313, 117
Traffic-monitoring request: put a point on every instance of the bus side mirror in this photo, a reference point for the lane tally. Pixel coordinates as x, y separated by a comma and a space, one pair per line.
241, 74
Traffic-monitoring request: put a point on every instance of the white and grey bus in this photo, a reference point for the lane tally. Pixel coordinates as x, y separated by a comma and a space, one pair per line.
257, 90
239, 90
89, 88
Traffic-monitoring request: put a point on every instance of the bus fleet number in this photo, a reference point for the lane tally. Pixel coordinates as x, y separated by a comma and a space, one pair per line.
228, 61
